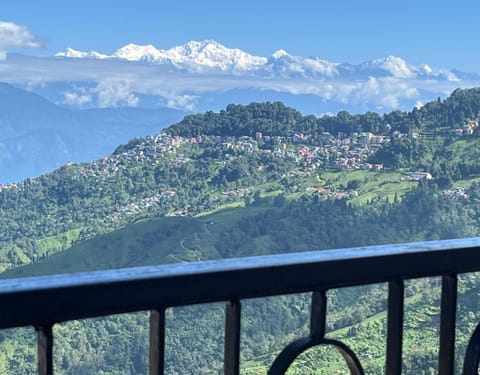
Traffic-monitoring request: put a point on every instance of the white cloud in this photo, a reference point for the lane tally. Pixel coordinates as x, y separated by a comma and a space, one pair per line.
185, 102
384, 92
110, 83
76, 99
115, 93
13, 35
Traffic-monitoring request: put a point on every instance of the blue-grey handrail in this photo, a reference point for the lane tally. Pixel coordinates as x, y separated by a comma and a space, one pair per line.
25, 301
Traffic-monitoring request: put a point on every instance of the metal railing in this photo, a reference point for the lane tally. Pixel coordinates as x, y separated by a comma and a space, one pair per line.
43, 301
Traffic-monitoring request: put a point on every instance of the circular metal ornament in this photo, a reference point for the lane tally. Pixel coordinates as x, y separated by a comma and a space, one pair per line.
472, 355
297, 347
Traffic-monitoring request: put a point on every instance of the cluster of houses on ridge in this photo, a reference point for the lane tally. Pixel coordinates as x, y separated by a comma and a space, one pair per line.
152, 150
13, 185
469, 126
456, 193
134, 208
346, 152
342, 152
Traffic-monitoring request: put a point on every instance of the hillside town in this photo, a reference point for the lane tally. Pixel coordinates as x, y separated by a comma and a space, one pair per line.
347, 152
338, 152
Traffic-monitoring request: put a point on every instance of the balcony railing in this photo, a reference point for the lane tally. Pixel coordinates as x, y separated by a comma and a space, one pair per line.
43, 301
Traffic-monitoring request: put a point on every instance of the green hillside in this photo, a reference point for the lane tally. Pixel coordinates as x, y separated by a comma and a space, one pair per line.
271, 224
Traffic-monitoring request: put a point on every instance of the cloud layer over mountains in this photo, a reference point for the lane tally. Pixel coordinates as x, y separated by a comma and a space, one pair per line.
195, 76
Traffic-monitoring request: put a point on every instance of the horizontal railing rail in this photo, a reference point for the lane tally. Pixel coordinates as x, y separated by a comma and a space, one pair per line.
43, 301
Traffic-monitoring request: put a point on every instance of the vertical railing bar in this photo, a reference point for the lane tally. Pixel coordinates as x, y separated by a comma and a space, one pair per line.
45, 349
157, 342
233, 313
395, 327
318, 314
446, 356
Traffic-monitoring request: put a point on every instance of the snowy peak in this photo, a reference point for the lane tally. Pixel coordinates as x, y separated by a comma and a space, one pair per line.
426, 69
391, 65
397, 67
211, 54
70, 52
279, 54
285, 64
194, 48
133, 52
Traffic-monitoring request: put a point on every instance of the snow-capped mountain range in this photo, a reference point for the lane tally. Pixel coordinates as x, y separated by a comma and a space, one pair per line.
210, 55
205, 54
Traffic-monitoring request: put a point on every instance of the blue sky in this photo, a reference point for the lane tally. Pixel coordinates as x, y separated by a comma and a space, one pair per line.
442, 34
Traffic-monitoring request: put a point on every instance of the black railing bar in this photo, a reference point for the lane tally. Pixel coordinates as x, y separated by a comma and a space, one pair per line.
157, 342
231, 280
395, 327
318, 315
45, 349
446, 356
234, 264
233, 314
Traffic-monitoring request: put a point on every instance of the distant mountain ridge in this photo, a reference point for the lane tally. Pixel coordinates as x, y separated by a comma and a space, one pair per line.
197, 56
37, 136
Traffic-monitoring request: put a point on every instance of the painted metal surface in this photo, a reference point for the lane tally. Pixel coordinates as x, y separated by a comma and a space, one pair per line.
26, 301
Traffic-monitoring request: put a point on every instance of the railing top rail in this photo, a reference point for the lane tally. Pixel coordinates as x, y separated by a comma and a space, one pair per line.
35, 300
235, 264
